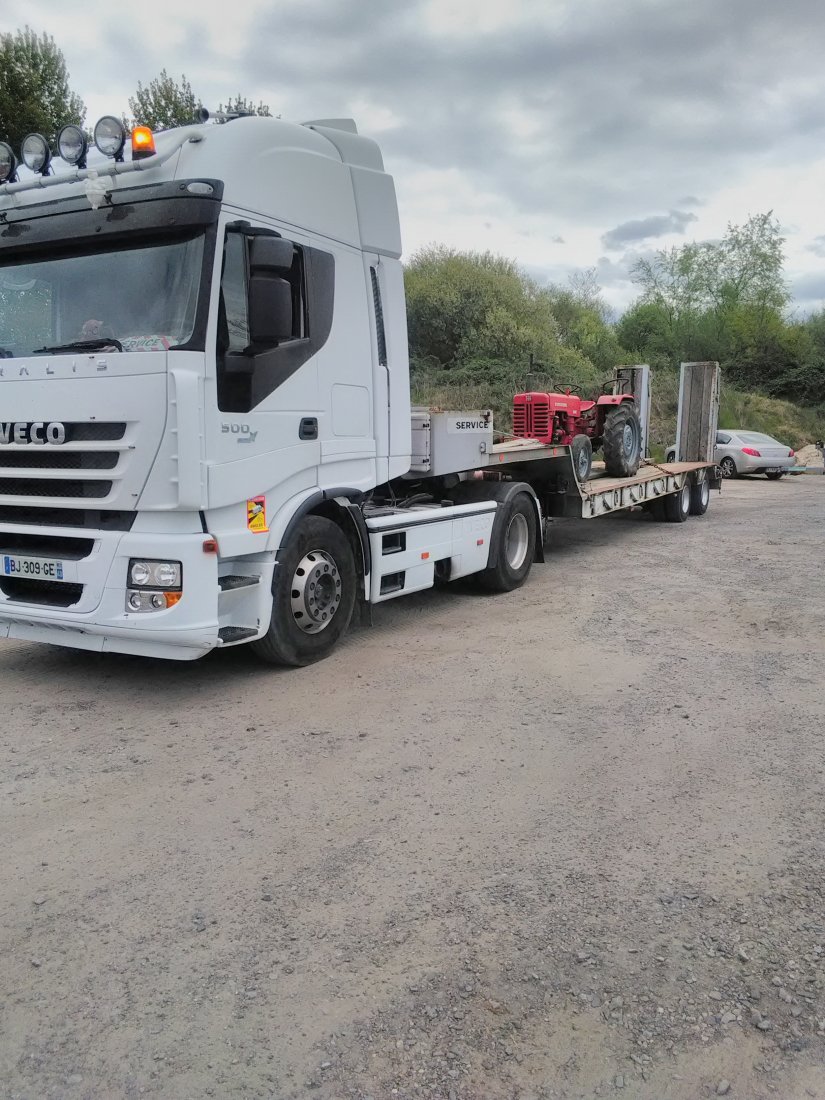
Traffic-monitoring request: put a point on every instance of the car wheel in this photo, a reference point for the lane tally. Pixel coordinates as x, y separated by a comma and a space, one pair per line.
775, 475
728, 467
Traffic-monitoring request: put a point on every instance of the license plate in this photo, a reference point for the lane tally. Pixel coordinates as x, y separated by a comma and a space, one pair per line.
37, 569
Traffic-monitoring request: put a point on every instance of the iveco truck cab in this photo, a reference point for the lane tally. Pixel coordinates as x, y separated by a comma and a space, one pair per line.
205, 428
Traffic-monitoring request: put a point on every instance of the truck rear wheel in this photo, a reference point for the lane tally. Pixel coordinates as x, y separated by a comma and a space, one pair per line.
313, 596
677, 505
699, 497
622, 441
514, 547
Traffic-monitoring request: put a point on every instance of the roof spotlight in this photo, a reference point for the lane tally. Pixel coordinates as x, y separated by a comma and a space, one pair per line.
8, 164
36, 153
72, 145
110, 136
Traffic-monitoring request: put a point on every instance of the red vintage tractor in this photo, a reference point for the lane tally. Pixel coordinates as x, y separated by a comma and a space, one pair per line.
611, 422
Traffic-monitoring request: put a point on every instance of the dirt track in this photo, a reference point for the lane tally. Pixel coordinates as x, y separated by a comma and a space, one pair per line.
563, 843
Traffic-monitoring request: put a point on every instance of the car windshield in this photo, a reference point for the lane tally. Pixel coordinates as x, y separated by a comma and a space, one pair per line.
145, 298
756, 437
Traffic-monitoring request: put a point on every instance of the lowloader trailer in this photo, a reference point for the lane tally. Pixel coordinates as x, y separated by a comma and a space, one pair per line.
206, 437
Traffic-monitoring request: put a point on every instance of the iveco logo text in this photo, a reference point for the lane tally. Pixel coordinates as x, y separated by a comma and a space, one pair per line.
37, 433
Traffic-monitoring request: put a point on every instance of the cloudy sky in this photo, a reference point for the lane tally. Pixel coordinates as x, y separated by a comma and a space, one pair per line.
566, 134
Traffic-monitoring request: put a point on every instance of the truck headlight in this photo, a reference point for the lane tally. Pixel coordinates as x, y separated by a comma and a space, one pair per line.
153, 585
155, 574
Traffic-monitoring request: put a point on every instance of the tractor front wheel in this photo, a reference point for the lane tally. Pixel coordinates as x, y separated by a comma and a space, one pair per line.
622, 441
581, 450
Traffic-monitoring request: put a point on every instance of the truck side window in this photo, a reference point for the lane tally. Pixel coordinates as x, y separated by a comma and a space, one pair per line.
300, 303
232, 310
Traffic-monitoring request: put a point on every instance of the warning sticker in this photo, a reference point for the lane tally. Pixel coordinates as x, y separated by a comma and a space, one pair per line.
256, 515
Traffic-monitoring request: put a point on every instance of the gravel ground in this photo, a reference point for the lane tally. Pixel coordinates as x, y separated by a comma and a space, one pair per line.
562, 843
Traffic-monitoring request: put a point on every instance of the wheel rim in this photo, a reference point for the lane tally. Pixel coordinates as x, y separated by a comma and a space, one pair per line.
316, 591
684, 499
727, 467
629, 439
584, 465
517, 541
705, 493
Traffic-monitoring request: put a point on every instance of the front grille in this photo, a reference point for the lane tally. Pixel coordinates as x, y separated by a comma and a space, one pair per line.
50, 593
47, 487
49, 546
531, 419
58, 460
89, 519
95, 432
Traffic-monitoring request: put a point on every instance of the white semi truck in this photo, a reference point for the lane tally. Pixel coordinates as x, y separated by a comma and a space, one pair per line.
206, 436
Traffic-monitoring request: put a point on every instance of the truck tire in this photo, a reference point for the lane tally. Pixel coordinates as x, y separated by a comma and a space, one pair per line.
515, 546
622, 441
581, 451
677, 505
313, 596
699, 497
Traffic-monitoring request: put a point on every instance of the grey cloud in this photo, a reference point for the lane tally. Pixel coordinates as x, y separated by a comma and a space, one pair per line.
689, 200
817, 246
638, 103
643, 229
810, 289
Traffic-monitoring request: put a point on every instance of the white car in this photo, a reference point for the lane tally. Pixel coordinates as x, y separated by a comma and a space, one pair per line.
739, 452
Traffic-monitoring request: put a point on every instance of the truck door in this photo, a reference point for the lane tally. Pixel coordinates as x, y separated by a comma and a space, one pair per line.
274, 314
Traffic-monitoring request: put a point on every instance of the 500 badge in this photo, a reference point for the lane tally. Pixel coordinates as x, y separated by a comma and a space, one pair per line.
38, 433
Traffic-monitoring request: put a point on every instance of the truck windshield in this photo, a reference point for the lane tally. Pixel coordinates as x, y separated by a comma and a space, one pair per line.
145, 298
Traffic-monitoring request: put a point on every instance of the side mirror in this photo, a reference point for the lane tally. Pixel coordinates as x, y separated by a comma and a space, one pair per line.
270, 254
270, 307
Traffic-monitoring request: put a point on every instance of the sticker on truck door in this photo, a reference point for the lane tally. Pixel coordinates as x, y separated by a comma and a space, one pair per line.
256, 515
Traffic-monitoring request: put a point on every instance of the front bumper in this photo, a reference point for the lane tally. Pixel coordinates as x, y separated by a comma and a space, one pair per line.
100, 622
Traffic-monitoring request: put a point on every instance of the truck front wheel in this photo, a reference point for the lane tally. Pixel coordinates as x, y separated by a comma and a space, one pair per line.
313, 595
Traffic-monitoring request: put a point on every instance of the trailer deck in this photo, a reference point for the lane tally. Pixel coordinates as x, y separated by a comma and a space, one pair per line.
564, 495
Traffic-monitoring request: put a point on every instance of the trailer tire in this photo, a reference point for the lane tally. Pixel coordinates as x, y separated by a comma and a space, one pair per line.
699, 497
581, 451
313, 595
516, 537
622, 441
677, 505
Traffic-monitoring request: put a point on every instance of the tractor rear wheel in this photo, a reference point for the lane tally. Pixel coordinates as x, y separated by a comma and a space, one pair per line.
622, 441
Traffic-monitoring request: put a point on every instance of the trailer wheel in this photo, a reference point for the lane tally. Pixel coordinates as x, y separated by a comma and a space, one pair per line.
581, 451
700, 497
677, 505
514, 548
622, 441
313, 596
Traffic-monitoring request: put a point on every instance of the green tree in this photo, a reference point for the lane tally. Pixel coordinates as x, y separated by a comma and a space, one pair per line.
468, 306
163, 103
583, 320
722, 300
34, 88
